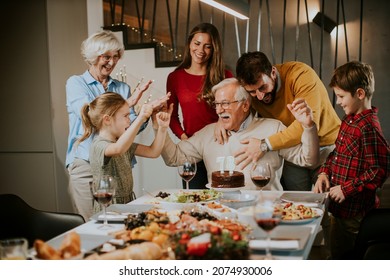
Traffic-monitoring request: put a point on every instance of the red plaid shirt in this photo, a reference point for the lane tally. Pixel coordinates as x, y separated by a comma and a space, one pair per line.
360, 163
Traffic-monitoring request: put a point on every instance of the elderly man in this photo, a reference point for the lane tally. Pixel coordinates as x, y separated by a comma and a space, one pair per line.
233, 106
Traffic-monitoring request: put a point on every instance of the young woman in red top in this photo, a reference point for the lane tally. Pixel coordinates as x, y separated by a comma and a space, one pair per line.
190, 87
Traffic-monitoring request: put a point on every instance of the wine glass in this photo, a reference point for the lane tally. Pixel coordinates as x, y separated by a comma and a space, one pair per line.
267, 216
187, 171
103, 191
260, 175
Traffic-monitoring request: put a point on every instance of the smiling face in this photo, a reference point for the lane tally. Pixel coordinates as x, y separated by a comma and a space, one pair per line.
265, 88
120, 121
236, 112
201, 48
105, 64
350, 104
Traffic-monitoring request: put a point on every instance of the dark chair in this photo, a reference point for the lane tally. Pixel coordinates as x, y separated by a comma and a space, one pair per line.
18, 219
373, 240
378, 251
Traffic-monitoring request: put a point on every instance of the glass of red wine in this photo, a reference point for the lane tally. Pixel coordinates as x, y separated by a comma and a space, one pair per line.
187, 170
267, 216
103, 191
260, 175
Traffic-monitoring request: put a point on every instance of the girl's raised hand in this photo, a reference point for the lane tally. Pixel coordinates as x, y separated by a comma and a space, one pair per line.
146, 111
163, 118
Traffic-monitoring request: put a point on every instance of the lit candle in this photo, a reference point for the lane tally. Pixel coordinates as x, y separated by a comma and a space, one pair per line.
230, 164
221, 161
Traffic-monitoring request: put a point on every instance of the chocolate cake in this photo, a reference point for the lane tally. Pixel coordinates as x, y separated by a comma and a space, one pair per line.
225, 180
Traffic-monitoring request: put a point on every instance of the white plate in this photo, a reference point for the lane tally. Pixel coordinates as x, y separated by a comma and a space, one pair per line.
88, 242
303, 221
221, 213
119, 212
224, 189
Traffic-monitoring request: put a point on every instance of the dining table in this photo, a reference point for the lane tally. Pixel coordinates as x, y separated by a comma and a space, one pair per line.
302, 233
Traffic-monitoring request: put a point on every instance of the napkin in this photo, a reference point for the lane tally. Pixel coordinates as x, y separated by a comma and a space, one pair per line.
112, 217
274, 244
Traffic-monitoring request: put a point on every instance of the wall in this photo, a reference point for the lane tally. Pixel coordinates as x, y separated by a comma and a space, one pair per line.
40, 48
26, 145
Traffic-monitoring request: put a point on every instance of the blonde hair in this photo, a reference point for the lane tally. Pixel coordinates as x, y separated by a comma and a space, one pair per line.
92, 114
100, 43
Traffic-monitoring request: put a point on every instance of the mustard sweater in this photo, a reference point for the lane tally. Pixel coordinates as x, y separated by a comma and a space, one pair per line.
298, 80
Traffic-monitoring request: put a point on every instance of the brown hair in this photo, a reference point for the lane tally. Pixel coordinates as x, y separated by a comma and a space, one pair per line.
215, 67
251, 66
352, 76
92, 114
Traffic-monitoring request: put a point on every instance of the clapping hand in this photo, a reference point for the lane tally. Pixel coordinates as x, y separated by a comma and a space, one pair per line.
163, 118
146, 112
160, 103
302, 112
137, 94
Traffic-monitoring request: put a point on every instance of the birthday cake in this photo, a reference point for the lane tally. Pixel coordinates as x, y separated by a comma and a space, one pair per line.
227, 180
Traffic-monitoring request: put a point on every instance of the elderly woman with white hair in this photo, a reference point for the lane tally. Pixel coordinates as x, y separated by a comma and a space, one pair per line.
101, 51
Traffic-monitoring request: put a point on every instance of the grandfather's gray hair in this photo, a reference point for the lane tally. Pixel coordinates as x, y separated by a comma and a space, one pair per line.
240, 94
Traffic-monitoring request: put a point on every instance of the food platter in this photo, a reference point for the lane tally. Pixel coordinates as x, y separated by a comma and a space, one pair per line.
318, 211
185, 199
224, 189
191, 196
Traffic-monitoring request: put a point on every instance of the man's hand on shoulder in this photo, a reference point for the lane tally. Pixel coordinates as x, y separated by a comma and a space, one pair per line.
249, 153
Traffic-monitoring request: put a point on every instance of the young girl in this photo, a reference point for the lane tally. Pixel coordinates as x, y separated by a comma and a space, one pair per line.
113, 148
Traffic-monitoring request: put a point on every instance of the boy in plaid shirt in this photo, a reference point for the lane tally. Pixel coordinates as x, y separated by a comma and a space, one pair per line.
360, 162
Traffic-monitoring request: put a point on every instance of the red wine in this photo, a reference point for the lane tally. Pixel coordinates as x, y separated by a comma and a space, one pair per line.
267, 224
187, 175
103, 198
260, 181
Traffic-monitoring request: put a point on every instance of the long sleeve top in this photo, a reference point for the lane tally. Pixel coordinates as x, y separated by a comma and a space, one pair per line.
298, 80
185, 89
360, 163
202, 146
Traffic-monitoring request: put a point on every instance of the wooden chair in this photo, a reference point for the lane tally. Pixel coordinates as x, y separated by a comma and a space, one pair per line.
18, 219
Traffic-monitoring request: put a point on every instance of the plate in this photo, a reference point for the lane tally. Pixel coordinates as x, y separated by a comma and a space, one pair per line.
119, 212
237, 200
188, 196
222, 212
177, 201
224, 189
303, 221
88, 242
304, 198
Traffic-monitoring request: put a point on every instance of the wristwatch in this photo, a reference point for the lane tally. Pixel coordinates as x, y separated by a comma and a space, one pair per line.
263, 146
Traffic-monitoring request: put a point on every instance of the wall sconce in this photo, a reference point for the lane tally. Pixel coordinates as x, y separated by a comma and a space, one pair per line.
237, 8
329, 24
